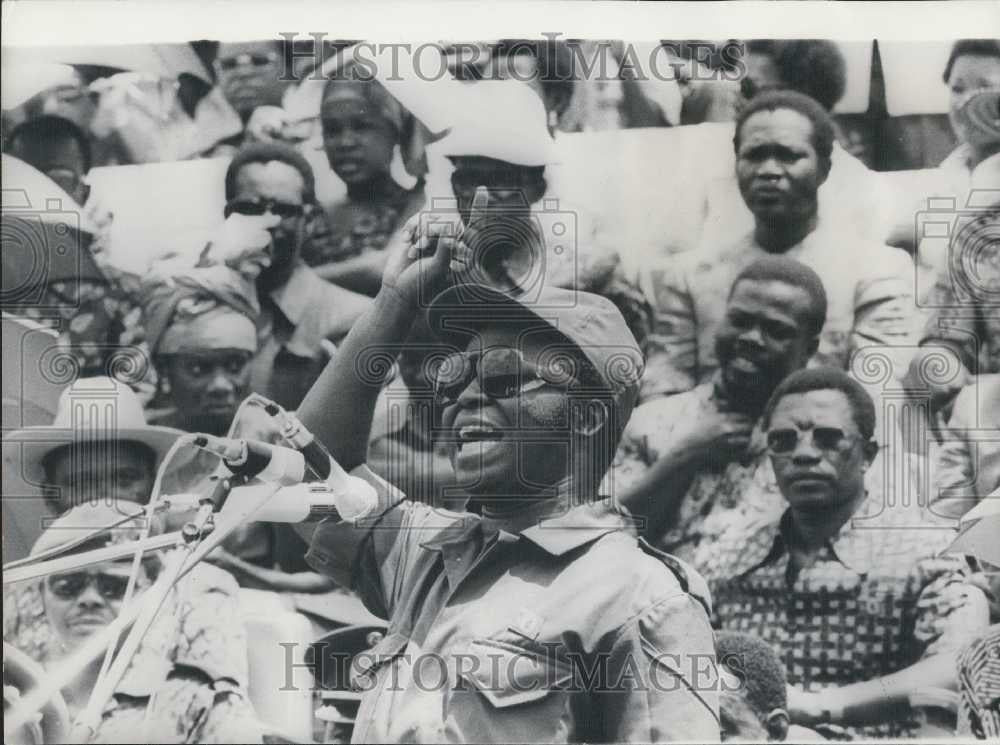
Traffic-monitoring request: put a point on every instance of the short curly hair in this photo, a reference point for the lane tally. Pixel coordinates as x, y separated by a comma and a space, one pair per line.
758, 667
975, 47
790, 272
823, 134
267, 152
827, 379
814, 67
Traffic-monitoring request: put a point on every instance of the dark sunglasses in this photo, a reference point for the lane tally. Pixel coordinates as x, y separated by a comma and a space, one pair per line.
784, 441
69, 586
244, 60
502, 372
258, 207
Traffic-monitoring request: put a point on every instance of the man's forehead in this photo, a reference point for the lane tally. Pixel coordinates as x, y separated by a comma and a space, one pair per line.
785, 126
270, 180
103, 454
771, 293
822, 406
235, 48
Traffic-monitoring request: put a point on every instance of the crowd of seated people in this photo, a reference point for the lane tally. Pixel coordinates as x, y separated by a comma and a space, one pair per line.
759, 465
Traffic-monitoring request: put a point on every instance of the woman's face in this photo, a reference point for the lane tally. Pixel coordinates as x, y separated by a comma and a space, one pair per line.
80, 604
969, 73
358, 141
209, 384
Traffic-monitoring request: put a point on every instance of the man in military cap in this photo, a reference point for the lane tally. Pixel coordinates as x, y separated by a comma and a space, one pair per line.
542, 619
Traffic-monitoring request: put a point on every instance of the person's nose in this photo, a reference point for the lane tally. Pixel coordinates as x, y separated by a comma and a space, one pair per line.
806, 452
220, 385
90, 598
752, 336
769, 168
472, 396
346, 138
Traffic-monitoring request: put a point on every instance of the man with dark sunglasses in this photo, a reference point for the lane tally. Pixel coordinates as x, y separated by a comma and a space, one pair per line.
692, 463
519, 624
187, 682
271, 186
859, 603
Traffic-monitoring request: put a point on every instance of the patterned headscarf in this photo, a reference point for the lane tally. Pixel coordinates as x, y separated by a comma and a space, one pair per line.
198, 308
412, 136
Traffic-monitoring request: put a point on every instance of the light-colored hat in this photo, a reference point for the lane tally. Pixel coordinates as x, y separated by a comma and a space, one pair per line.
88, 520
91, 410
501, 119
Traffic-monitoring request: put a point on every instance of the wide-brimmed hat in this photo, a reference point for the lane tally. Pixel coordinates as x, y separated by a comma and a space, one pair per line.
504, 120
95, 521
92, 410
591, 326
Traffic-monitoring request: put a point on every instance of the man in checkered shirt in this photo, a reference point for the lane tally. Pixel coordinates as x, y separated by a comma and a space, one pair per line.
857, 601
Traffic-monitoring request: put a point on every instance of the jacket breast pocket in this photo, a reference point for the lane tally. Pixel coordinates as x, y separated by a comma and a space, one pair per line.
507, 675
507, 693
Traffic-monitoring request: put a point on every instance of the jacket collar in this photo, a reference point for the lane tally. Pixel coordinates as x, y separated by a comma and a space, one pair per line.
292, 298
550, 524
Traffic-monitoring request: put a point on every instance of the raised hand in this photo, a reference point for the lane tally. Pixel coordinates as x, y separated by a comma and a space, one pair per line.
243, 243
419, 256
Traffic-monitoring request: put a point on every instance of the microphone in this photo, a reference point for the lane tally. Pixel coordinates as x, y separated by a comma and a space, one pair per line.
251, 459
312, 502
317, 457
356, 491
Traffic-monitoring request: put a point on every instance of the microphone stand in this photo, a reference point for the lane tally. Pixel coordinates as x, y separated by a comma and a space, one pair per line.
196, 543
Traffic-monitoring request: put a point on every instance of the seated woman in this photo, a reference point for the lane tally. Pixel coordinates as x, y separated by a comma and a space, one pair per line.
187, 682
362, 127
203, 336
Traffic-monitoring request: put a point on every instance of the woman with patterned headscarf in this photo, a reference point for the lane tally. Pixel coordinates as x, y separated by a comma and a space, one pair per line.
362, 127
202, 330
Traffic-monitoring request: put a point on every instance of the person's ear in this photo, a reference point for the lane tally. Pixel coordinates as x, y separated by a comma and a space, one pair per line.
870, 451
824, 169
811, 346
587, 418
777, 725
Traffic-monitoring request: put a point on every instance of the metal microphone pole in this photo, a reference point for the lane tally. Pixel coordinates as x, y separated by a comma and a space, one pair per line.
196, 548
233, 515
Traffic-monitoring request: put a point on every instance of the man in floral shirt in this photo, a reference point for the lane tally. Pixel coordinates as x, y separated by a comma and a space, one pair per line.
78, 293
683, 457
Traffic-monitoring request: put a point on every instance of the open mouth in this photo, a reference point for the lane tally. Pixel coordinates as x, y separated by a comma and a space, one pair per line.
479, 433
744, 364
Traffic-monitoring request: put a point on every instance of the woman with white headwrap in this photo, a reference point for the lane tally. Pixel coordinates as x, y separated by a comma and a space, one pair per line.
362, 126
